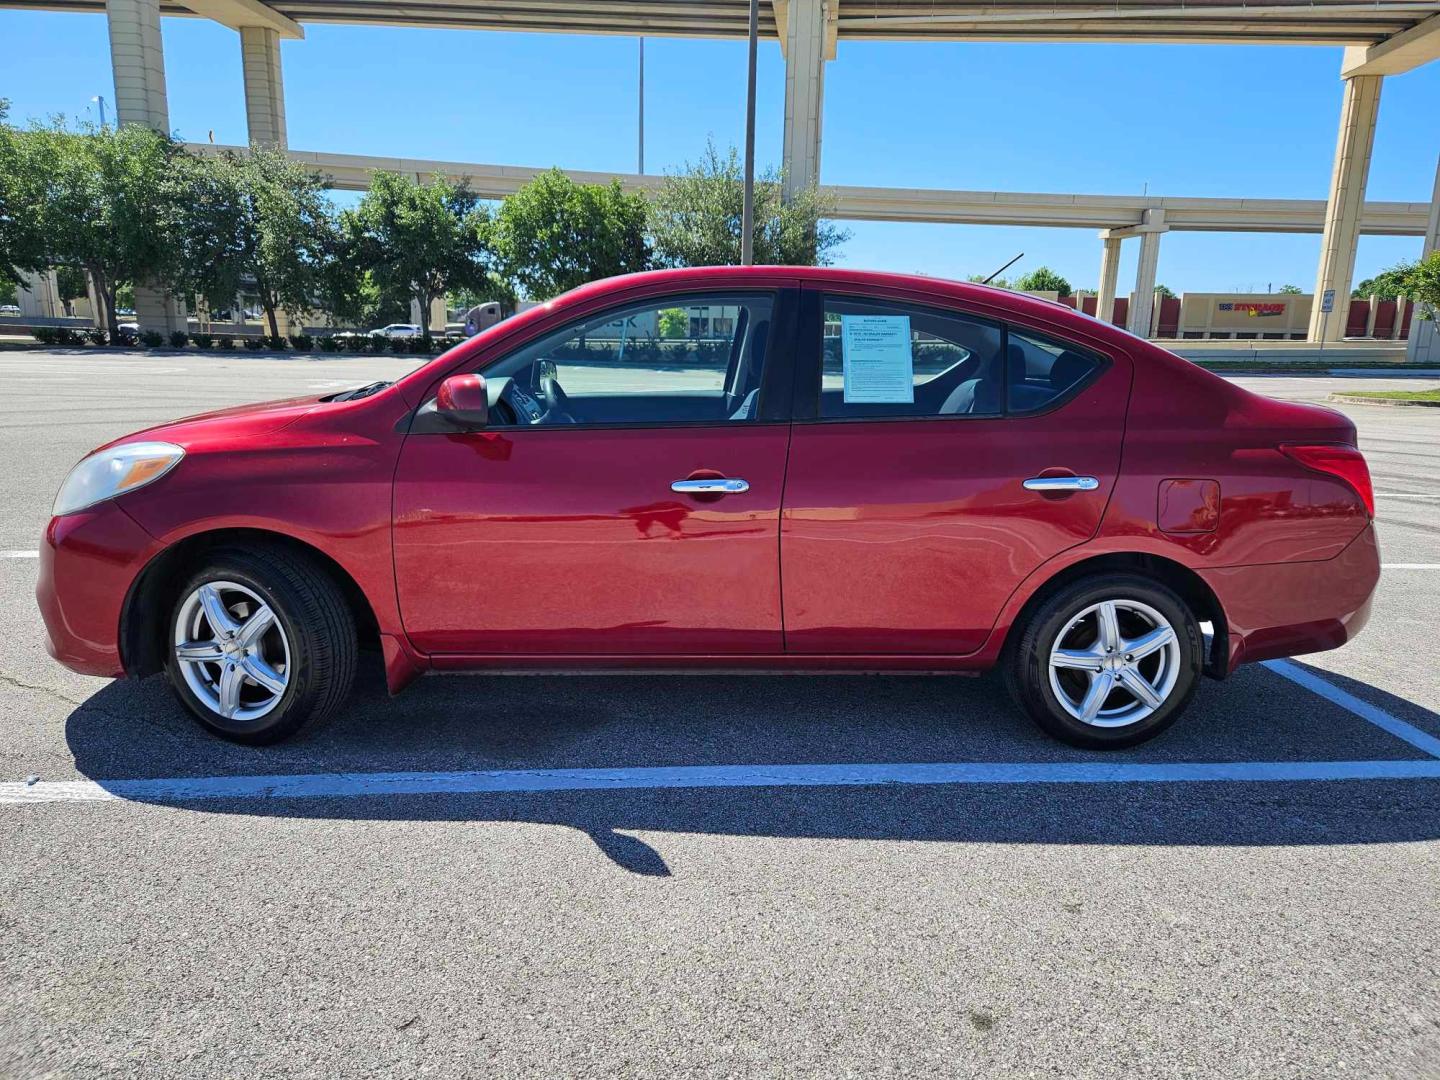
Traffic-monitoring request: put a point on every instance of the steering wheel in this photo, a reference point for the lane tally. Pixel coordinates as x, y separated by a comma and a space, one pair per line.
556, 401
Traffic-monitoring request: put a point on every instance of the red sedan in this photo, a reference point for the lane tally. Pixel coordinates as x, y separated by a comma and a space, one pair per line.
776, 467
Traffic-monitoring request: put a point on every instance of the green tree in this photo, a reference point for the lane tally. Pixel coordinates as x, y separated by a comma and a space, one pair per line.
1422, 284
258, 217
1290, 290
695, 218
1042, 279
1165, 292
1387, 284
9, 291
23, 182
674, 323
554, 235
419, 240
108, 206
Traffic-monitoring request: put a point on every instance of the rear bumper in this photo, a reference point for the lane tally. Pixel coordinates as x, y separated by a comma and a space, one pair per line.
88, 561
1286, 609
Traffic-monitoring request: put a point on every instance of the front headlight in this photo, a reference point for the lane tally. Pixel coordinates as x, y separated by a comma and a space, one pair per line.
108, 473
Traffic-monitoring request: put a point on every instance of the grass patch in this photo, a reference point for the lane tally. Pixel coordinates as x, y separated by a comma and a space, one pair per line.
1396, 395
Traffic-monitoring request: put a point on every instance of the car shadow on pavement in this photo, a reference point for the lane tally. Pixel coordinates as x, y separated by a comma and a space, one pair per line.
135, 730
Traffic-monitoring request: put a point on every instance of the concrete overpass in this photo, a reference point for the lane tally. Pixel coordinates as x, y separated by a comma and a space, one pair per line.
1381, 37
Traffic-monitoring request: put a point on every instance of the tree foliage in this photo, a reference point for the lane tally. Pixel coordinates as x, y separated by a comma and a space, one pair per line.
1290, 290
1387, 284
107, 206
23, 181
259, 220
1042, 279
418, 240
554, 235
1422, 284
695, 218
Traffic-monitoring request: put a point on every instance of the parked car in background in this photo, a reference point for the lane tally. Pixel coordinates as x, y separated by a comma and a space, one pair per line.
397, 330
730, 467
9, 309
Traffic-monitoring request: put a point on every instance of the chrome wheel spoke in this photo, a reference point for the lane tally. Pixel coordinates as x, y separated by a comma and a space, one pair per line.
1077, 659
262, 673
200, 652
1109, 622
231, 681
1137, 684
216, 613
1146, 644
1100, 687
253, 629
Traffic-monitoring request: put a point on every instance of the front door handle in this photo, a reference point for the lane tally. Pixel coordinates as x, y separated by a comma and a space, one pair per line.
1061, 483
725, 485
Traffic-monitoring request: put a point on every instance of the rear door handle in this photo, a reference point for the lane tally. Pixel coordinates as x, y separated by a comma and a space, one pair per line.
730, 485
1061, 483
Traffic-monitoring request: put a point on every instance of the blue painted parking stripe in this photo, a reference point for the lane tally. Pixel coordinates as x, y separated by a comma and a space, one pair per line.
351, 785
1379, 717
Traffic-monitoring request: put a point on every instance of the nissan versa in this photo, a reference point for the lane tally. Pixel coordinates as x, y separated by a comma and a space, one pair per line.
730, 468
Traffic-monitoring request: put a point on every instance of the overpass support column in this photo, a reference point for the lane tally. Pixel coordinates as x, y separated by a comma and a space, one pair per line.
138, 58
1358, 110
1142, 304
807, 41
1424, 344
264, 85
1109, 278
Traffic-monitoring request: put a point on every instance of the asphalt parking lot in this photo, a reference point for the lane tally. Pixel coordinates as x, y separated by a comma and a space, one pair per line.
1205, 909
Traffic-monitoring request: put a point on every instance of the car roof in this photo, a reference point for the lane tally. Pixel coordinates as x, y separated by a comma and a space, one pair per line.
739, 276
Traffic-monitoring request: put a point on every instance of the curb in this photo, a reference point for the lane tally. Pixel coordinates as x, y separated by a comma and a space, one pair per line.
1393, 403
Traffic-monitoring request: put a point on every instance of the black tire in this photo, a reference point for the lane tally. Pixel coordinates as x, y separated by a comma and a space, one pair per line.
319, 628
1027, 670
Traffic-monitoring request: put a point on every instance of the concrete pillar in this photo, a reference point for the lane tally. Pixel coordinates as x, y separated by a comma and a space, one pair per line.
1109, 278
1358, 110
1142, 303
264, 85
805, 54
1371, 315
1424, 344
38, 295
138, 59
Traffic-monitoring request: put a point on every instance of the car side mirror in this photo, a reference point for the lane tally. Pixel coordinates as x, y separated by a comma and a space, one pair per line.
464, 402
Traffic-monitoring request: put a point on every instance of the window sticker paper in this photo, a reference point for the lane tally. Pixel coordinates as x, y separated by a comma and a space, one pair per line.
879, 364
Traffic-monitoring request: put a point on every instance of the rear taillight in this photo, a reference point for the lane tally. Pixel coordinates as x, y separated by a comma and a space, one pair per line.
1337, 460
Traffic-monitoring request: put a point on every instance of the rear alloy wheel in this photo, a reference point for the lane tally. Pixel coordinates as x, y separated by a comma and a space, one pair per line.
259, 646
1107, 662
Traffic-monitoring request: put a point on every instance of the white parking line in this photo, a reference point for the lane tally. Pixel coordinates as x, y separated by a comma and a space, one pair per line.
472, 782
1379, 717
339, 785
19, 554
1406, 495
1410, 566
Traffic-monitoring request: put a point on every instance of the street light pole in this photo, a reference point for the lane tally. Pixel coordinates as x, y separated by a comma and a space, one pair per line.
641, 169
747, 213
100, 98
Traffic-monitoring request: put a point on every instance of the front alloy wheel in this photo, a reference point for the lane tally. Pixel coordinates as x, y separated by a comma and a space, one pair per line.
232, 651
260, 642
1107, 662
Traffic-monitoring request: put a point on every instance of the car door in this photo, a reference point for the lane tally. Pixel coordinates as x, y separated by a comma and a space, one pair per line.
907, 523
568, 529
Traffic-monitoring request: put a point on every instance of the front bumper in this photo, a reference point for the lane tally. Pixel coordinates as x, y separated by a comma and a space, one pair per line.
88, 561
1287, 609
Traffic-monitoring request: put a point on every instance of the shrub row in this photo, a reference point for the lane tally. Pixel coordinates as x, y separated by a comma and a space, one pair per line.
152, 339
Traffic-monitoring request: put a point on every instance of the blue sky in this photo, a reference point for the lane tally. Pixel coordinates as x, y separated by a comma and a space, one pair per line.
1210, 121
